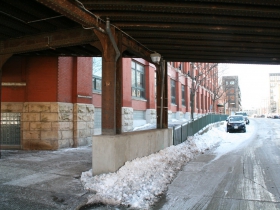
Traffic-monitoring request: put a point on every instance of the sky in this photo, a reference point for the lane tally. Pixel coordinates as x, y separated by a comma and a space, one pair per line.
253, 82
140, 182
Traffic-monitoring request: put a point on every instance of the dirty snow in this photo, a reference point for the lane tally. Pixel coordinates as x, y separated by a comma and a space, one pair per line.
140, 183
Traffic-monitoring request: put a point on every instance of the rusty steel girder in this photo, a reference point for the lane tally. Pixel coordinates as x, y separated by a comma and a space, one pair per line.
45, 41
76, 13
81, 15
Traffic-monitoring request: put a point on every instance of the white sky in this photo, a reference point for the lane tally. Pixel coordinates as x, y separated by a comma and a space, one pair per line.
253, 82
140, 182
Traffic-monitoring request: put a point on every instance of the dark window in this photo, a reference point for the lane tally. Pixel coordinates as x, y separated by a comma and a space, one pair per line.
97, 74
173, 91
138, 80
183, 95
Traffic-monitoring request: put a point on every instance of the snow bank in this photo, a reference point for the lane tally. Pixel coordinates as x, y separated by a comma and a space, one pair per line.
139, 183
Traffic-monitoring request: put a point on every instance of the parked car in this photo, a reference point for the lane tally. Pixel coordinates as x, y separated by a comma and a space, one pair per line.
244, 114
236, 123
276, 117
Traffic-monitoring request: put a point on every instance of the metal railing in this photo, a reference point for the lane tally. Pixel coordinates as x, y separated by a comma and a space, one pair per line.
183, 131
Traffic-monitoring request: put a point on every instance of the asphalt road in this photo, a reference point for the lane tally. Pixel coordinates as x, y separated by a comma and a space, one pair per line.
43, 180
246, 178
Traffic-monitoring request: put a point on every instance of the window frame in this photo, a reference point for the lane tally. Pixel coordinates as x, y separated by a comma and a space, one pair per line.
183, 95
134, 86
173, 91
96, 78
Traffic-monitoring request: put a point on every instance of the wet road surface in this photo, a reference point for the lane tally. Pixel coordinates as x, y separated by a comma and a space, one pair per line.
246, 178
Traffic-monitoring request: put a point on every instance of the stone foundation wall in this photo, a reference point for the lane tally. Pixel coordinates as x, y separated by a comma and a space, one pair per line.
53, 125
179, 115
188, 116
83, 124
127, 119
151, 116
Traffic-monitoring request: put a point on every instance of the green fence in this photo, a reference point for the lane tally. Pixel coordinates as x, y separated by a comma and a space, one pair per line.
181, 132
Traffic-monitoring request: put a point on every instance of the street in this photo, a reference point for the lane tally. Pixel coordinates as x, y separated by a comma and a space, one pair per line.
240, 172
245, 178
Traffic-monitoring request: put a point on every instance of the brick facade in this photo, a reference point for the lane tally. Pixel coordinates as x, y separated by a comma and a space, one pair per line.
55, 97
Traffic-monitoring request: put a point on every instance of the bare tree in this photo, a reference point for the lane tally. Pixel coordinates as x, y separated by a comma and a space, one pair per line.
199, 74
219, 91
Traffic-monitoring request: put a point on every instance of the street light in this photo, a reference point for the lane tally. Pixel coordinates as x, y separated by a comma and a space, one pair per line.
155, 57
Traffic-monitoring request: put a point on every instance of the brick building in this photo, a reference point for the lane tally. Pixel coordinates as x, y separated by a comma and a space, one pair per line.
57, 100
232, 94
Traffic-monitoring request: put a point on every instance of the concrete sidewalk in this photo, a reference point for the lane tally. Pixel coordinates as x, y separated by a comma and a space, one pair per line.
33, 180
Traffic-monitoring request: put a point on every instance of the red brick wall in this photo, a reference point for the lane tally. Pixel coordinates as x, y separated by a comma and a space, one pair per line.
96, 100
41, 79
139, 105
13, 94
84, 79
126, 90
40, 75
150, 86
65, 79
14, 71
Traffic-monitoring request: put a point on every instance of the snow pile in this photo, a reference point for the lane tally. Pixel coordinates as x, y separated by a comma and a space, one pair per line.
139, 183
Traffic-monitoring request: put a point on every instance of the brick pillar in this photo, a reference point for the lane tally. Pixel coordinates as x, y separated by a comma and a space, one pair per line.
198, 100
178, 94
150, 94
207, 102
202, 102
150, 86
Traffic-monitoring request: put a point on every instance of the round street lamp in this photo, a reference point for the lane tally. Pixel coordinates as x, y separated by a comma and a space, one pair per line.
155, 57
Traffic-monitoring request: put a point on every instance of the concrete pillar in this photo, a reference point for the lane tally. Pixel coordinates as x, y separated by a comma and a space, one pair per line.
199, 100
178, 93
150, 86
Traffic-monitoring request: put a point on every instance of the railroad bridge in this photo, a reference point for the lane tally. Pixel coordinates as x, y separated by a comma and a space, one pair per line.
214, 31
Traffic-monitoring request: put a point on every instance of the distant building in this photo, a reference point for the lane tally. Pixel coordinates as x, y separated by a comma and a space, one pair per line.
232, 94
250, 112
274, 82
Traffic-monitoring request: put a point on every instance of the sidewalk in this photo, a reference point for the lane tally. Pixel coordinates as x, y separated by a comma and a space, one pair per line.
45, 180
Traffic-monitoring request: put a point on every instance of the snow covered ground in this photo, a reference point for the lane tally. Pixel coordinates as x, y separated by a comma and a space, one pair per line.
141, 182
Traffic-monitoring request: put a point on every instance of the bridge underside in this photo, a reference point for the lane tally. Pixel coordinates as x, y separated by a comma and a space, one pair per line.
215, 31
240, 31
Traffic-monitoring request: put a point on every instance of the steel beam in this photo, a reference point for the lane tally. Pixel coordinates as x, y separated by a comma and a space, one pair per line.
45, 41
136, 48
74, 12
84, 17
